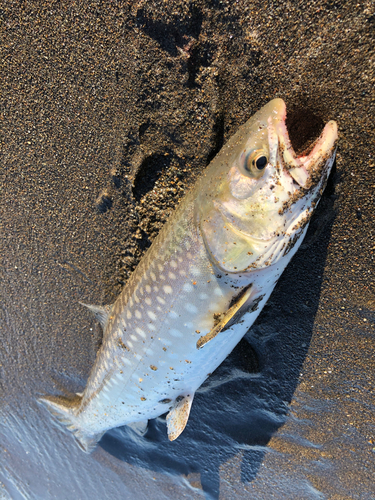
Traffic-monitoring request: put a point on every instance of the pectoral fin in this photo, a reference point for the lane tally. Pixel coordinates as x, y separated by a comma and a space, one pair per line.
178, 416
229, 317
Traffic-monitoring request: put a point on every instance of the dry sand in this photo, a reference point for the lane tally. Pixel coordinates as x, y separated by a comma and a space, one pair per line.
109, 111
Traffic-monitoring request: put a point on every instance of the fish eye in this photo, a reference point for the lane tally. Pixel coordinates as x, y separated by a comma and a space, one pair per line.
261, 162
255, 162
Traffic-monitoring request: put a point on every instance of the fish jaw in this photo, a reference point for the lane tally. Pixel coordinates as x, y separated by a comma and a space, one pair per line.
247, 221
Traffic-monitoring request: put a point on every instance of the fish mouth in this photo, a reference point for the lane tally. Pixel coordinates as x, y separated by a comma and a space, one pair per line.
307, 170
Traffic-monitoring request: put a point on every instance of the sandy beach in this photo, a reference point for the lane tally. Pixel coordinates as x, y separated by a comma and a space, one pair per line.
109, 112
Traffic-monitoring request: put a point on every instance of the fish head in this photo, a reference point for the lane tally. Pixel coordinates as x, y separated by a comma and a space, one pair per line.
257, 196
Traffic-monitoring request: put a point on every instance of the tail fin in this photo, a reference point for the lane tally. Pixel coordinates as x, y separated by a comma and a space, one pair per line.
64, 410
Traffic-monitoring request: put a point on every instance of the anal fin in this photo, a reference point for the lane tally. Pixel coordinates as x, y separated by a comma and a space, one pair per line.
178, 416
101, 312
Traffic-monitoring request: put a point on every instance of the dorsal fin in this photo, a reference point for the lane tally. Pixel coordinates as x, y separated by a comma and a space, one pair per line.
229, 317
101, 312
178, 416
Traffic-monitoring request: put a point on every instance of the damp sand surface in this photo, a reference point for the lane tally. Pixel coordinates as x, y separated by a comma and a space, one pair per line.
109, 112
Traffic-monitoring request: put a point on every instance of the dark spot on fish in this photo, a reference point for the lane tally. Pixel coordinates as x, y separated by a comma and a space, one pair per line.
121, 344
164, 348
143, 399
255, 304
291, 243
217, 319
165, 401
179, 398
153, 367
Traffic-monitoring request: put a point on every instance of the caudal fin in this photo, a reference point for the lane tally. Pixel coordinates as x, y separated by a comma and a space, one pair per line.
64, 410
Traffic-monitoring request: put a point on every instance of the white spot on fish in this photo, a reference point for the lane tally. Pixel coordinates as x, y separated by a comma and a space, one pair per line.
188, 287
151, 315
182, 272
128, 314
130, 344
137, 356
148, 301
203, 296
127, 361
172, 276
152, 276
148, 288
162, 277
175, 333
173, 315
195, 270
133, 337
173, 263
151, 327
160, 300
218, 292
191, 308
136, 299
189, 324
140, 332
149, 352
167, 289
138, 314
160, 267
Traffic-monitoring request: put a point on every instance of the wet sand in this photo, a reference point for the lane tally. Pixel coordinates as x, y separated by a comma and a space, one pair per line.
109, 112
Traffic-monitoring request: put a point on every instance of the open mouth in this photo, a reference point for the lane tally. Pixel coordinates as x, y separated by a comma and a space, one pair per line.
306, 170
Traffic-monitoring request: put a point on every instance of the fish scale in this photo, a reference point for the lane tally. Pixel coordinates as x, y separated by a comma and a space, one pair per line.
203, 281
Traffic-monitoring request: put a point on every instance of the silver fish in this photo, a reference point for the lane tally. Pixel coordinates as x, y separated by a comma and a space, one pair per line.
203, 282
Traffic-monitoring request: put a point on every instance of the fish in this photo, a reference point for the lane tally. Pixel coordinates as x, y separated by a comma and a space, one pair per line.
203, 281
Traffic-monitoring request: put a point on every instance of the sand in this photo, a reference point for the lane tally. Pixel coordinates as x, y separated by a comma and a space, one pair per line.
109, 112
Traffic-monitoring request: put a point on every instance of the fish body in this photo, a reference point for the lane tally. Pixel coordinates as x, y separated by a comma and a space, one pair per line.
204, 280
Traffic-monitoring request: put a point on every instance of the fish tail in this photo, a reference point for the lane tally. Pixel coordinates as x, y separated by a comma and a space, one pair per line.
65, 412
